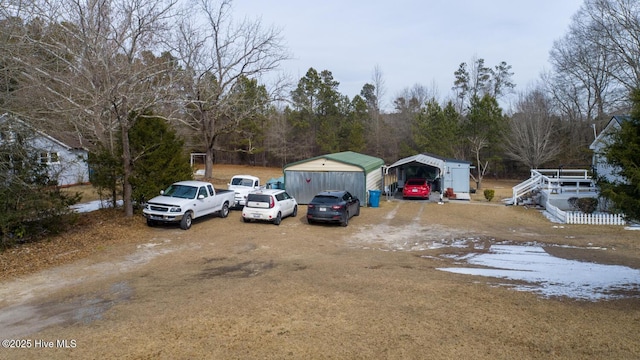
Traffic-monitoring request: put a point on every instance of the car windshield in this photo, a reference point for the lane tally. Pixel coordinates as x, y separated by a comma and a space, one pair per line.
325, 199
242, 182
181, 191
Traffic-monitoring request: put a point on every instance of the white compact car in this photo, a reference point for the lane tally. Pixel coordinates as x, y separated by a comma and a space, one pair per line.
269, 205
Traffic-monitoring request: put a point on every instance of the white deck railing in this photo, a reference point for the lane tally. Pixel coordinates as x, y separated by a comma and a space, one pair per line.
560, 181
555, 181
563, 181
526, 187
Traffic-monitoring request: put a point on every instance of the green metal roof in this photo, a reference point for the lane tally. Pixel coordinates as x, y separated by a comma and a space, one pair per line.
366, 162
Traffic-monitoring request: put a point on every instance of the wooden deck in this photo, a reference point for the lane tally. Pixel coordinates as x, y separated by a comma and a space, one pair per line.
556, 186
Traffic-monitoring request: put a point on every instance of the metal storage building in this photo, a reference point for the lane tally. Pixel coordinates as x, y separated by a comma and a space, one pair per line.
443, 173
348, 170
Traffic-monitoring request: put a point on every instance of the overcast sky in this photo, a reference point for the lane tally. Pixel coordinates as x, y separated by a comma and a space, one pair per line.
413, 41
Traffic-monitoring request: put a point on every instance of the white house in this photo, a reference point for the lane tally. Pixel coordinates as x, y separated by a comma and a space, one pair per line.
66, 160
601, 166
552, 188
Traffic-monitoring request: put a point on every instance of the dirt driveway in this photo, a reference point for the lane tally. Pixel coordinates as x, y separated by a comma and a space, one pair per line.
226, 289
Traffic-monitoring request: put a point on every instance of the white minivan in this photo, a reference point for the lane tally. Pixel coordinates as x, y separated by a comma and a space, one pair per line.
269, 205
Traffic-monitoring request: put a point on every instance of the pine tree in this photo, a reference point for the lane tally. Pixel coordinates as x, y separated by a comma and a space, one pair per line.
622, 153
158, 157
436, 130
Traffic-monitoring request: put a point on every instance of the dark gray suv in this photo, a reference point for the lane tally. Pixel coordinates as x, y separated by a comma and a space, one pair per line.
333, 206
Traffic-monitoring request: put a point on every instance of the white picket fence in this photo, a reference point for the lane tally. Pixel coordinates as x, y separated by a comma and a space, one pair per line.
577, 217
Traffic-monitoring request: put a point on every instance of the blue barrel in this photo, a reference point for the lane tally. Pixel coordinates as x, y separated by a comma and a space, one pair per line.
374, 198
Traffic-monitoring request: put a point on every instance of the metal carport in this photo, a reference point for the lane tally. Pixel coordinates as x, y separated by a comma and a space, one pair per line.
442, 173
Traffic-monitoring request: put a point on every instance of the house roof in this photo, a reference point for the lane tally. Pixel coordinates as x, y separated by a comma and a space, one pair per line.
615, 123
365, 162
64, 139
427, 159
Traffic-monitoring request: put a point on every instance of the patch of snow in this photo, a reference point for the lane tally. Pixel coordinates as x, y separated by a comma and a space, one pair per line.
527, 262
551, 276
94, 205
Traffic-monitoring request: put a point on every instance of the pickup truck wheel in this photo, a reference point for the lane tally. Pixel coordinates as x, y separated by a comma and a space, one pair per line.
224, 212
278, 219
186, 221
295, 211
151, 223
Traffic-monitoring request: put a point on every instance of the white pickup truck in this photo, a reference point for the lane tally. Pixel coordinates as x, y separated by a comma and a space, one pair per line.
186, 200
242, 185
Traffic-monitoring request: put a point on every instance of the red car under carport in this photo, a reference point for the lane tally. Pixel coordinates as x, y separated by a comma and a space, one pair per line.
416, 188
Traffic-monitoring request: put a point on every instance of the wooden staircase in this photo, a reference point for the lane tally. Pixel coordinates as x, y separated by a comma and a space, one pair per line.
525, 187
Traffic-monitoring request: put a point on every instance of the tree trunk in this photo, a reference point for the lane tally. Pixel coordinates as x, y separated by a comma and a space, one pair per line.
126, 162
208, 164
480, 172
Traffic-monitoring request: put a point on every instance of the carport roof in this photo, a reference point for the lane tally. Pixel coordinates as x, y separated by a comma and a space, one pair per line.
426, 159
365, 162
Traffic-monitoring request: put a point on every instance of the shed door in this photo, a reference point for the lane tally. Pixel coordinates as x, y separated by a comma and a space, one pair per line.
460, 179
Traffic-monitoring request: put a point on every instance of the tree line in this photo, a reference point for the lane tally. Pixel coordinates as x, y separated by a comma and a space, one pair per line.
97, 68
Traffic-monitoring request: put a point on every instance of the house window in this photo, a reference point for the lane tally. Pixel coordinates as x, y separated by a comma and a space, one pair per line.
49, 157
7, 136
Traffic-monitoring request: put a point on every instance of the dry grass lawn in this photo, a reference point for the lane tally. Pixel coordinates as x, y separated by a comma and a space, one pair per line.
229, 290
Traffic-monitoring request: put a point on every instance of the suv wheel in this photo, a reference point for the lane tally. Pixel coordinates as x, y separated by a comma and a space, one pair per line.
295, 211
345, 220
278, 219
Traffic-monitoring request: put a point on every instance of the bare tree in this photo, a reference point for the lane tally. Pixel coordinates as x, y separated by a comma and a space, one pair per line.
217, 56
277, 138
594, 66
408, 103
533, 131
582, 73
377, 77
373, 94
597, 62
91, 65
477, 143
614, 26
